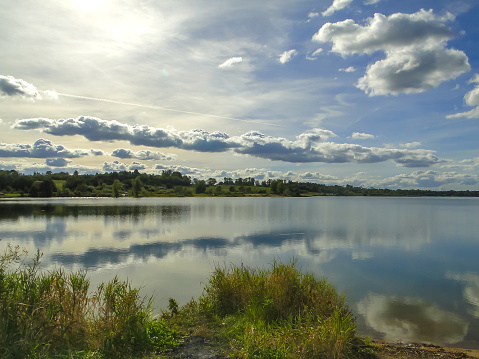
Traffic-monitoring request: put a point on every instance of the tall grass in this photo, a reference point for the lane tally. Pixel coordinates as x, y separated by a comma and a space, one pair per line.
279, 313
46, 313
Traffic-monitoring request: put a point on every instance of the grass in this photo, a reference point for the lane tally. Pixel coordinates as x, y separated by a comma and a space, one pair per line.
274, 313
54, 315
252, 313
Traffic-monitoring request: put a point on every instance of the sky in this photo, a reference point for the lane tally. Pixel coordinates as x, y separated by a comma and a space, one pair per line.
371, 93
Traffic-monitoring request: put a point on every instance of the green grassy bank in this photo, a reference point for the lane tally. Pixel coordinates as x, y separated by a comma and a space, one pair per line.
252, 313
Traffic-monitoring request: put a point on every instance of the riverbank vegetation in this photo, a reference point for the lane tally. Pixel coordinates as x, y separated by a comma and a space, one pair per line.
174, 184
251, 313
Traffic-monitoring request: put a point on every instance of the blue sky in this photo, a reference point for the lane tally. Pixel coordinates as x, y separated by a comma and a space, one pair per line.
377, 93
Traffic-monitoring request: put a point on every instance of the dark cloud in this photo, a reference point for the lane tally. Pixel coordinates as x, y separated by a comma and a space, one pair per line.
136, 166
42, 148
311, 146
141, 155
10, 86
95, 152
57, 162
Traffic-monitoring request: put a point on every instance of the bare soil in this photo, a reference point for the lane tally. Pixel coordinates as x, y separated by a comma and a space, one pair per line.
427, 351
197, 347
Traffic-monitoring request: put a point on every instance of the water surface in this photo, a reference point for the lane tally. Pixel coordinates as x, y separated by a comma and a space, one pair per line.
408, 266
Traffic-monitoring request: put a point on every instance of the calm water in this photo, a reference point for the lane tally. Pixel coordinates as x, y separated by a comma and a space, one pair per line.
409, 266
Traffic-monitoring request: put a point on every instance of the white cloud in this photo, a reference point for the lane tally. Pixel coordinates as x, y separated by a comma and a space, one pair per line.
411, 145
312, 15
287, 56
50, 94
414, 44
348, 69
230, 62
362, 136
471, 99
335, 6
315, 54
471, 291
371, 2
427, 179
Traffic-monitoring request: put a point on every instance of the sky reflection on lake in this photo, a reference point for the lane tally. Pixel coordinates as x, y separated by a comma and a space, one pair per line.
408, 265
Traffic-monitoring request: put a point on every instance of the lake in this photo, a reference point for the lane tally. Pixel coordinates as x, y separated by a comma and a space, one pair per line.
408, 266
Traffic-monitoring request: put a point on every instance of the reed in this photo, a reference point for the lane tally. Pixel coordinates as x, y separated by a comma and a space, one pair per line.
46, 313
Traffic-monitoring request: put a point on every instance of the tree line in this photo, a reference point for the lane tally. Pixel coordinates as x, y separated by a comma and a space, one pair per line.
173, 183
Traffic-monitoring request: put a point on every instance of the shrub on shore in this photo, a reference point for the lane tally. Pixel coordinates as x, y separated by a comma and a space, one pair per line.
276, 313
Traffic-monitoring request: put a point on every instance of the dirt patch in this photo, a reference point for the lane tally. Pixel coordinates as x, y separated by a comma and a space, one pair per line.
197, 348
426, 351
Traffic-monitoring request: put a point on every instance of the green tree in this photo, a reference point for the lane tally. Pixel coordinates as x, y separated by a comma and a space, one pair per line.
201, 187
211, 181
137, 186
116, 188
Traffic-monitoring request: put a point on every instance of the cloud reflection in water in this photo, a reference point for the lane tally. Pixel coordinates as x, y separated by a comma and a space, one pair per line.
412, 320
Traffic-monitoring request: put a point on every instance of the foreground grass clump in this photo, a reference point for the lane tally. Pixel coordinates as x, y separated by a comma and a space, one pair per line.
276, 313
53, 314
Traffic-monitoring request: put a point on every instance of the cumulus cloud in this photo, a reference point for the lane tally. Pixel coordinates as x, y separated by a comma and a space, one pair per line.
230, 62
57, 162
115, 166
142, 155
287, 56
308, 147
335, 6
10, 86
411, 319
362, 136
471, 99
428, 179
7, 166
415, 46
136, 166
41, 148
311, 146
